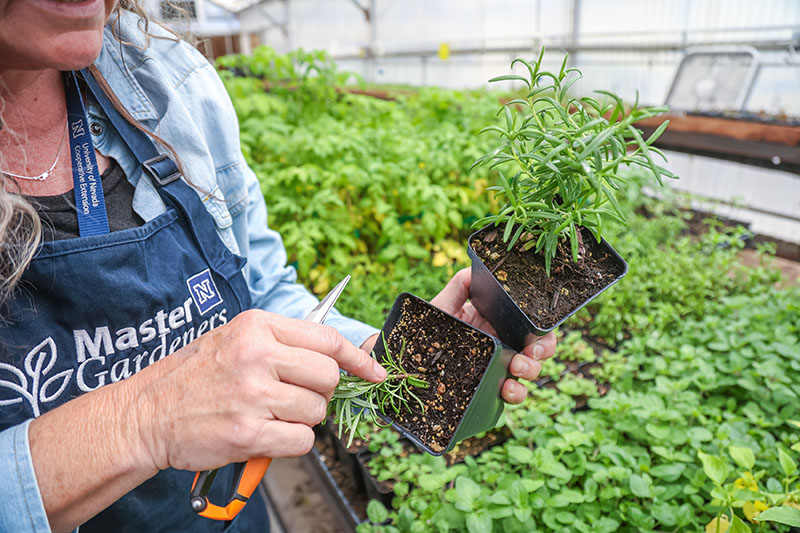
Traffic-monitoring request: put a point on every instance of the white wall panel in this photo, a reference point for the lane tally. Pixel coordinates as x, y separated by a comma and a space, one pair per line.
422, 25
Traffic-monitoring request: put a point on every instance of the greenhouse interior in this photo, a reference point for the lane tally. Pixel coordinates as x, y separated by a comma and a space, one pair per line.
386, 133
569, 231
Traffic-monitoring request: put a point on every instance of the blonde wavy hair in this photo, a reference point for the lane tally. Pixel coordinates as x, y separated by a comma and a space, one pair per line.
20, 226
20, 232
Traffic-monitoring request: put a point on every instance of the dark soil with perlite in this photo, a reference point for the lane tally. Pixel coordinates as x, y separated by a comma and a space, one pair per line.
546, 300
451, 357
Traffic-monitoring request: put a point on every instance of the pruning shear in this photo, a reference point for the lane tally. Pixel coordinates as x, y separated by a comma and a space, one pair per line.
247, 475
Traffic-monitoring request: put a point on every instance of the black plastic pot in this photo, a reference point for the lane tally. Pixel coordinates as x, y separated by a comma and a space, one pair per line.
335, 491
512, 325
347, 459
501, 435
486, 405
376, 490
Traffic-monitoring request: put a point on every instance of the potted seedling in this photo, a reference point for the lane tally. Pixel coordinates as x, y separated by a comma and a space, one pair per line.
463, 366
542, 256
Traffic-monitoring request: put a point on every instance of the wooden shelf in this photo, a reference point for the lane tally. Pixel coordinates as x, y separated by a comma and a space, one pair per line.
764, 144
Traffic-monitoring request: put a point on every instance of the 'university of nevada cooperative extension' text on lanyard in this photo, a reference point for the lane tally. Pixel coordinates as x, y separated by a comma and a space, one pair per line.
89, 200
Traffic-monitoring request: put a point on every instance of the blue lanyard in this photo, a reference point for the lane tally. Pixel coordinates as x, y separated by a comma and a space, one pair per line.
89, 200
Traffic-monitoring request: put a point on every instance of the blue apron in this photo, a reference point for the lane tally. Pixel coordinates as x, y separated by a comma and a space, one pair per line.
97, 309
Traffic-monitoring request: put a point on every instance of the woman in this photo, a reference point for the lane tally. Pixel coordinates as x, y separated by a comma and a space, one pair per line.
128, 355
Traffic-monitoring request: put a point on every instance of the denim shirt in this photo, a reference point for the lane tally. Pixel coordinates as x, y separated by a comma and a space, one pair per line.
172, 90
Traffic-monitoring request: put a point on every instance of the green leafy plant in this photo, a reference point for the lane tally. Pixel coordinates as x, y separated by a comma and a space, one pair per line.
631, 462
775, 502
386, 463
566, 155
356, 182
575, 385
572, 347
355, 399
611, 369
552, 368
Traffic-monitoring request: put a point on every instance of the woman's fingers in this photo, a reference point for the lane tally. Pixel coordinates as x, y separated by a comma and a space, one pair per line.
308, 369
325, 340
453, 299
455, 294
542, 348
527, 365
524, 367
514, 392
284, 439
290, 403
470, 315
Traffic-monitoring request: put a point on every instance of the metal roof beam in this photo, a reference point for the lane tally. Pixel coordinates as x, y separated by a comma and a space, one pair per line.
365, 10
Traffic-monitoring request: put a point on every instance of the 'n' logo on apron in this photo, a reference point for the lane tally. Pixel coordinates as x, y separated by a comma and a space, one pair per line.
204, 292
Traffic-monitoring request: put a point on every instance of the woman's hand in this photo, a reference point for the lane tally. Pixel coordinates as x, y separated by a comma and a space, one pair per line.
525, 365
251, 388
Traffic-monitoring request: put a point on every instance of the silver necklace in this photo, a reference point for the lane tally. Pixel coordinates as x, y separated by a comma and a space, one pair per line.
44, 175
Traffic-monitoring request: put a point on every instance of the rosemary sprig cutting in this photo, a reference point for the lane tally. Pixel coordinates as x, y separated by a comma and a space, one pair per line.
356, 399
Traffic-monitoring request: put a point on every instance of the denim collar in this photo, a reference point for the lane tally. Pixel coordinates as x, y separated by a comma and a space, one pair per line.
118, 74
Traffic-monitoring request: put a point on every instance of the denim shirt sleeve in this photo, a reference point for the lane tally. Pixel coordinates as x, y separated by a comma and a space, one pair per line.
21, 507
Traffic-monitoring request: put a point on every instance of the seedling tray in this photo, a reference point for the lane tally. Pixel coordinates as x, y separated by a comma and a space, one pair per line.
321, 470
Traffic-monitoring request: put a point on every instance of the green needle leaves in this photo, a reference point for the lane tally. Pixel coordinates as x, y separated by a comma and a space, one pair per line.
565, 156
356, 399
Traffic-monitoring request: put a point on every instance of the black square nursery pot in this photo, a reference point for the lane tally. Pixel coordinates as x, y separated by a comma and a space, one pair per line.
464, 367
514, 326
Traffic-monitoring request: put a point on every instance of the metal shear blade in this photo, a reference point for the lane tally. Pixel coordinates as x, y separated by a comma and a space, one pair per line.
320, 312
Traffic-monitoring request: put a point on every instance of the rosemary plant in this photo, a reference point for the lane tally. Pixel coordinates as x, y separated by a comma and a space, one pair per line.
567, 155
356, 399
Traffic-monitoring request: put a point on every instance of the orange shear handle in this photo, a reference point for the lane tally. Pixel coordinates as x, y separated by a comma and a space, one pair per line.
248, 475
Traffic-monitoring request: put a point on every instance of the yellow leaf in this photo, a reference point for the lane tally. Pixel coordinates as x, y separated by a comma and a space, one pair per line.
724, 524
453, 250
747, 481
323, 285
444, 51
751, 509
440, 259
